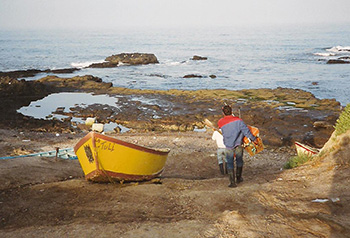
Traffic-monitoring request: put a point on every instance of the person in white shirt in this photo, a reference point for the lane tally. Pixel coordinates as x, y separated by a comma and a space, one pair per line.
217, 136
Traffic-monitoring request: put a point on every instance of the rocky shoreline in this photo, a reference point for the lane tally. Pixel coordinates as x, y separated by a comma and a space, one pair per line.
110, 62
283, 115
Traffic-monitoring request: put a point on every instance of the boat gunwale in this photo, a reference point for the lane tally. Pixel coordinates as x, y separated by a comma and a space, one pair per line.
307, 148
93, 135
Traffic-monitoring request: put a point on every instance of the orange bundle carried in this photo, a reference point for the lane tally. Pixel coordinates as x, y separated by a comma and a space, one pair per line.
251, 147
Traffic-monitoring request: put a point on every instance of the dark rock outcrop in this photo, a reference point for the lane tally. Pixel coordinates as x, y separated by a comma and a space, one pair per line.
32, 72
192, 76
110, 62
82, 83
337, 61
11, 87
17, 93
20, 73
197, 57
126, 58
62, 71
133, 58
199, 76
103, 65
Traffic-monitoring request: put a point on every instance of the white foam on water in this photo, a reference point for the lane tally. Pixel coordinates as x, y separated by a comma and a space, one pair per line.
81, 65
339, 49
325, 54
122, 64
173, 63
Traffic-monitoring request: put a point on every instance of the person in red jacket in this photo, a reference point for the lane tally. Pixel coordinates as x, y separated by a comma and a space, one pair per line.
234, 130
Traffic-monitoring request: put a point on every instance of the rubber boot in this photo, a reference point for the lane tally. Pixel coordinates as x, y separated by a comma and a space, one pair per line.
239, 174
232, 178
221, 166
225, 168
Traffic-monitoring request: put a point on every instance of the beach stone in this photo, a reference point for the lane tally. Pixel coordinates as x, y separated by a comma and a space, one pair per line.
322, 124
117, 129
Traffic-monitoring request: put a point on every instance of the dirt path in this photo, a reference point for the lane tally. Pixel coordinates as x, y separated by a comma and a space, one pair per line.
47, 198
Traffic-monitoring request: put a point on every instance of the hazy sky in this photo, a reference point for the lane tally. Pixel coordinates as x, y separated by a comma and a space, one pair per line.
54, 14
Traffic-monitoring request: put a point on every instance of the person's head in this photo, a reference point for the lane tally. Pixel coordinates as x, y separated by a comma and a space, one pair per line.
227, 110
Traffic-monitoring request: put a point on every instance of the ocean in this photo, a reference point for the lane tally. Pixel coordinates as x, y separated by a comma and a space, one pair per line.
240, 58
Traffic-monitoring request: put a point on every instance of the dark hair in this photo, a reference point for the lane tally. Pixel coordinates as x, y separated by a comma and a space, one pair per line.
227, 110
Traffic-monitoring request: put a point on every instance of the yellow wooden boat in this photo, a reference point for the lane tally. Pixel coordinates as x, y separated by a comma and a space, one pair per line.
105, 158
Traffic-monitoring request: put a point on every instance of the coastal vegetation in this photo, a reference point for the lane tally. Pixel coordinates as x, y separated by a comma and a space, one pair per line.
296, 161
342, 126
343, 123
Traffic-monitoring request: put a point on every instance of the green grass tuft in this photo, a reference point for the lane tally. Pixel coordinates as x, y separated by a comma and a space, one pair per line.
296, 161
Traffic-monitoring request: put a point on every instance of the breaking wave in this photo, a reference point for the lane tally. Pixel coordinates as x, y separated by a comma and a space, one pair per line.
334, 51
339, 49
325, 54
81, 65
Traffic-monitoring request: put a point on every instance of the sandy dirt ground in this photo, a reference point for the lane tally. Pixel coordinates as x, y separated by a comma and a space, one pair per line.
44, 197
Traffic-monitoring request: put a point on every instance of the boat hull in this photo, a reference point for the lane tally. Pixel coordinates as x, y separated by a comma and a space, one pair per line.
107, 159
